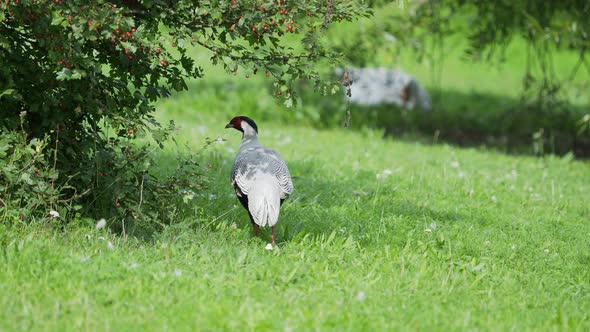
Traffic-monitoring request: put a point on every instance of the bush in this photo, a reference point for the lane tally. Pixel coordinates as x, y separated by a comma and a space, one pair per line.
27, 178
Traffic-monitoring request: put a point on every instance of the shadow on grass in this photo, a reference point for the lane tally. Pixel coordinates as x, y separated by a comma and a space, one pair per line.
469, 120
350, 206
502, 123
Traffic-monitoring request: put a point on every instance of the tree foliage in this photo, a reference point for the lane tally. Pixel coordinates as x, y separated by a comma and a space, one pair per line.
84, 74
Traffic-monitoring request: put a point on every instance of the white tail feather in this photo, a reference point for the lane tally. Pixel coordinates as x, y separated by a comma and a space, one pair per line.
264, 202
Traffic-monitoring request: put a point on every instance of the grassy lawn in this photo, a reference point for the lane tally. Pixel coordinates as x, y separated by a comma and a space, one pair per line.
380, 234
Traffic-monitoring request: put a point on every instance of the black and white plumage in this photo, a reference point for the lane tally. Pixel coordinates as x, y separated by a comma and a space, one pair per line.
260, 177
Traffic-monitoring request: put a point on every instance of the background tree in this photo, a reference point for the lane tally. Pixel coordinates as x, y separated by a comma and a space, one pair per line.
485, 30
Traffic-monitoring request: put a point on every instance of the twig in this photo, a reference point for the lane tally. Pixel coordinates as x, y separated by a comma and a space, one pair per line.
347, 81
140, 192
55, 158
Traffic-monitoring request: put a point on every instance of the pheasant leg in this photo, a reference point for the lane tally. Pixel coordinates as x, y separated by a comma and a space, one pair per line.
273, 234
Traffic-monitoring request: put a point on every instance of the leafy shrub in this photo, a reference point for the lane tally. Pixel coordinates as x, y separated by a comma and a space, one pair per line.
27, 178
128, 187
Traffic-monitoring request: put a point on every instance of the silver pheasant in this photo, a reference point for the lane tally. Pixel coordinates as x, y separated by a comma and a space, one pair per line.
260, 177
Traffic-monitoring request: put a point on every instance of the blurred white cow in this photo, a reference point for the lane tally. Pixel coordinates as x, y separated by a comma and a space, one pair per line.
377, 86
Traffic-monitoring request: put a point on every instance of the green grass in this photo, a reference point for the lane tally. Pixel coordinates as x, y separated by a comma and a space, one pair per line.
379, 235
451, 239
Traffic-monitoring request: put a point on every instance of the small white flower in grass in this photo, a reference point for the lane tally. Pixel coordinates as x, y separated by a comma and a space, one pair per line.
54, 214
110, 245
546, 251
268, 246
212, 197
471, 192
494, 199
101, 223
433, 225
233, 225
384, 174
188, 195
178, 273
133, 266
455, 164
487, 242
513, 247
361, 296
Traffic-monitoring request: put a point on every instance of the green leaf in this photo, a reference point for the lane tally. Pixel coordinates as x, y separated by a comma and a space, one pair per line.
129, 46
25, 177
57, 18
7, 92
64, 74
77, 74
69, 74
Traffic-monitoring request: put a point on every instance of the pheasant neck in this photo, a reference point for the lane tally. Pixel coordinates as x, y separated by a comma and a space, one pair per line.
250, 137
249, 141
